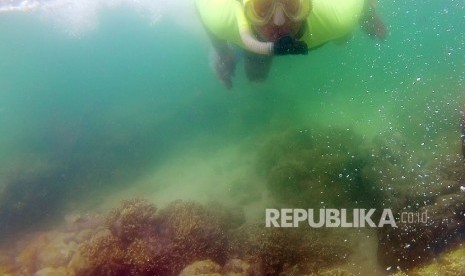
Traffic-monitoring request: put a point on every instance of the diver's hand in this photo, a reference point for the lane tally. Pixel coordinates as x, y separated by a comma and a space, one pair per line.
288, 45
225, 66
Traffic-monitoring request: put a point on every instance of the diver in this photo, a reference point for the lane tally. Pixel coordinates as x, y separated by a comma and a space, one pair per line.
267, 28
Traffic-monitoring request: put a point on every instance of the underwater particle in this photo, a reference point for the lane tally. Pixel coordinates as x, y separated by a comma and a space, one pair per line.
462, 189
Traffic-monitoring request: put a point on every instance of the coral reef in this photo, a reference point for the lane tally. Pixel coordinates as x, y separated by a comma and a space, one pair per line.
435, 194
127, 246
141, 241
390, 169
134, 219
233, 267
450, 263
415, 242
236, 267
187, 238
333, 272
52, 271
270, 251
194, 233
133, 239
328, 162
104, 255
318, 168
49, 253
137, 239
202, 268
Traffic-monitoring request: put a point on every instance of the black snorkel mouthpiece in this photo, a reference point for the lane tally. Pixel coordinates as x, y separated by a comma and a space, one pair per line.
287, 45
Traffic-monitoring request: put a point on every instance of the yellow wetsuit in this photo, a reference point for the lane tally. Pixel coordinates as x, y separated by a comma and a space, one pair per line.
328, 20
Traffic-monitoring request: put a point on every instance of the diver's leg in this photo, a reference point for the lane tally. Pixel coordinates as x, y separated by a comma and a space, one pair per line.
257, 66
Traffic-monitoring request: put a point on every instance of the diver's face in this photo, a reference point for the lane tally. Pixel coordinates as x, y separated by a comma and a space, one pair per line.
278, 26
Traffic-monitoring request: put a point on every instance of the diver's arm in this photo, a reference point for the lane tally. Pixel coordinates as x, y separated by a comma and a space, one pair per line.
224, 61
221, 46
370, 21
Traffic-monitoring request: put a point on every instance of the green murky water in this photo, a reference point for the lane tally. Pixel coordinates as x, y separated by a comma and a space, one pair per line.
114, 104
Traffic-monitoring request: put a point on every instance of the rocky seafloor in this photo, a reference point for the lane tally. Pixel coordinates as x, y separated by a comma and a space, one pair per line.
187, 238
344, 170
184, 238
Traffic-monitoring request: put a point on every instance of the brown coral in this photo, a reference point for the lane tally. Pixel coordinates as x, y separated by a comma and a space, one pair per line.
202, 268
270, 251
129, 246
412, 244
134, 219
105, 256
141, 242
196, 233
326, 161
236, 267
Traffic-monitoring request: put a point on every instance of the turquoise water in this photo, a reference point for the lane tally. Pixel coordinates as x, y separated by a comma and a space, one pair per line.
113, 102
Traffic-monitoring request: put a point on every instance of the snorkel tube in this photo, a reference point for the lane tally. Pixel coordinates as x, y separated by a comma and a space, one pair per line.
249, 40
254, 45
286, 45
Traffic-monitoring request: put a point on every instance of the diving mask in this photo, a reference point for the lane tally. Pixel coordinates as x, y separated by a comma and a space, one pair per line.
260, 12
